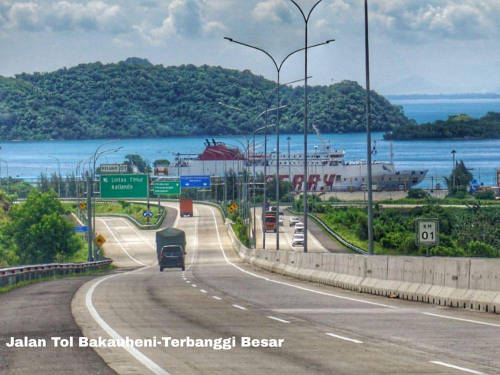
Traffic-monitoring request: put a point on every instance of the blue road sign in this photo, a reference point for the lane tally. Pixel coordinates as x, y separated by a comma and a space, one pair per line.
81, 229
195, 181
147, 214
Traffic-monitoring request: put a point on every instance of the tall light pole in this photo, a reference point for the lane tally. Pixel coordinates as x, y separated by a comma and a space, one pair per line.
306, 105
90, 190
7, 176
278, 71
453, 152
368, 134
289, 164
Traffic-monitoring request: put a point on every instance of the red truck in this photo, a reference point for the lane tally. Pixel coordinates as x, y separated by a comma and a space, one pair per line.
186, 207
270, 224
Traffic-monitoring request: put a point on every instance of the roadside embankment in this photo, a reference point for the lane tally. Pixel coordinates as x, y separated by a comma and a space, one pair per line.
471, 283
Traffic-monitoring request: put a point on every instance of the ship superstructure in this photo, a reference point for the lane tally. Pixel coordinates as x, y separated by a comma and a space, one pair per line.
327, 169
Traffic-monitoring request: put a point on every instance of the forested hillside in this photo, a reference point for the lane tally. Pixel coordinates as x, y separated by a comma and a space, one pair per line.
456, 127
134, 98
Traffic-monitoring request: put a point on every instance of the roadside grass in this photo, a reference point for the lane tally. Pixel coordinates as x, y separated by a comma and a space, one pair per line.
349, 235
8, 288
134, 210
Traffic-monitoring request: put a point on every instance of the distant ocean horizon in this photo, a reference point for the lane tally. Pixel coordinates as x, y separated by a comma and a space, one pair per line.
430, 110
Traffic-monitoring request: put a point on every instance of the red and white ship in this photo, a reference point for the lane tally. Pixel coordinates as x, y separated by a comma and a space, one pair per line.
327, 170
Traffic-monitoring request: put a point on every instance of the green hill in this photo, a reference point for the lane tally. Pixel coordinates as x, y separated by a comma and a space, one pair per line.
134, 98
456, 127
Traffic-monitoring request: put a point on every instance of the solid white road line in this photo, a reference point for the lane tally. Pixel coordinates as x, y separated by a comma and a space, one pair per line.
278, 319
203, 290
464, 369
194, 248
344, 338
148, 363
285, 283
462, 320
120, 244
240, 307
217, 298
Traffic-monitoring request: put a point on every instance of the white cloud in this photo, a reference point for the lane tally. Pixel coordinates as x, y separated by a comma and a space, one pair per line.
42, 15
24, 16
186, 19
419, 20
273, 11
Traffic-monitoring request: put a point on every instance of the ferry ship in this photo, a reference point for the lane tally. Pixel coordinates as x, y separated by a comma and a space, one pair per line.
327, 169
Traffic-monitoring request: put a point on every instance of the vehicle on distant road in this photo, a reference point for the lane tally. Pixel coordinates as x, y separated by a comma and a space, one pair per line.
298, 231
299, 225
298, 236
186, 207
294, 220
298, 240
171, 248
270, 222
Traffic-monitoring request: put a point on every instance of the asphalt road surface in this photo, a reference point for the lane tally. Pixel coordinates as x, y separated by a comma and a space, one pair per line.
286, 236
42, 311
323, 330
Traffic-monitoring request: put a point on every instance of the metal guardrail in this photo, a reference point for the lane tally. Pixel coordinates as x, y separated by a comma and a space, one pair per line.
83, 217
14, 275
337, 236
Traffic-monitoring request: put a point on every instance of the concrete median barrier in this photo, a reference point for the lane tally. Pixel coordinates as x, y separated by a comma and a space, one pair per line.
457, 282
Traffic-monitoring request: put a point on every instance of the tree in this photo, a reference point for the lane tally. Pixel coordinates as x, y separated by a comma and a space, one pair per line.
162, 162
40, 231
459, 179
135, 160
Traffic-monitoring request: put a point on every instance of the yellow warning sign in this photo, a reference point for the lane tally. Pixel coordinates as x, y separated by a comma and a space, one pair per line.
232, 207
83, 206
99, 240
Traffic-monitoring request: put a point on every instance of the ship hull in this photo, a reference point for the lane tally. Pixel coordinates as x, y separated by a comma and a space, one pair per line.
341, 177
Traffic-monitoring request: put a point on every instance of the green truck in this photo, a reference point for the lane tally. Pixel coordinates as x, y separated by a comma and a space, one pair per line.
171, 248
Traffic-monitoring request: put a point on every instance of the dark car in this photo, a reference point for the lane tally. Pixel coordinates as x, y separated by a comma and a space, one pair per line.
172, 256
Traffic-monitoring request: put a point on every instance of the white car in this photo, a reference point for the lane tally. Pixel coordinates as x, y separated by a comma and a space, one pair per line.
298, 230
280, 221
298, 236
294, 220
299, 225
298, 242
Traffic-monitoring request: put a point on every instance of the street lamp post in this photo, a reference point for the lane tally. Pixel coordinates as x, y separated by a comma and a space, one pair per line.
453, 152
306, 104
91, 212
368, 135
266, 112
289, 163
278, 71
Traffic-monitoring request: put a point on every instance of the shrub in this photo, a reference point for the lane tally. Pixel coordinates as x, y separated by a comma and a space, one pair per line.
418, 194
485, 195
480, 249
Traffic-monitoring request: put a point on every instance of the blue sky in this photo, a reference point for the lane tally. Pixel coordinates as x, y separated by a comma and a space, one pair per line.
417, 45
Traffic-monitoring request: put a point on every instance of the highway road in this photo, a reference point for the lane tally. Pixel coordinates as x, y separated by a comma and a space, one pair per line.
324, 330
286, 236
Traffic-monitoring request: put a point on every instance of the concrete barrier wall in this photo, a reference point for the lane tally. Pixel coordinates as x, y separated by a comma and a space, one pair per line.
459, 282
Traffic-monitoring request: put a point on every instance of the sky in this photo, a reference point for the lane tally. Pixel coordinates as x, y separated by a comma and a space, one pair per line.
417, 46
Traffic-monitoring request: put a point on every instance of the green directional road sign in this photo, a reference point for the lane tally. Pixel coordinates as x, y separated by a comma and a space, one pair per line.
124, 186
166, 187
